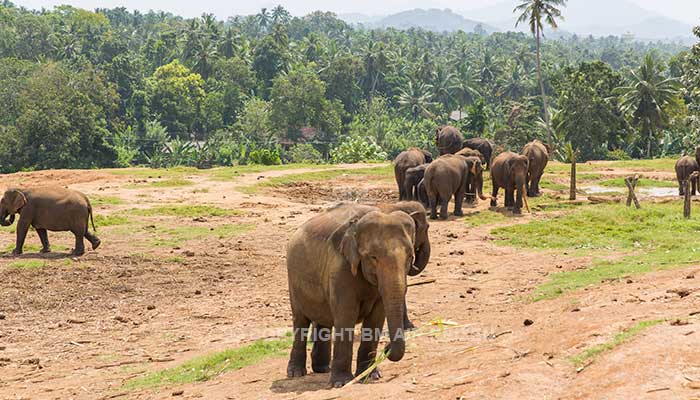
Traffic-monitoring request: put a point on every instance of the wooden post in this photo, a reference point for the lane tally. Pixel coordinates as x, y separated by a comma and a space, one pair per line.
687, 185
631, 183
572, 184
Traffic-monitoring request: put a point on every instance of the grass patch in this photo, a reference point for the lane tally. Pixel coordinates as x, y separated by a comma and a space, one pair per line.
177, 236
174, 172
106, 200
189, 211
620, 338
111, 220
658, 164
28, 264
548, 184
588, 177
382, 172
206, 367
648, 236
620, 182
231, 173
174, 182
481, 218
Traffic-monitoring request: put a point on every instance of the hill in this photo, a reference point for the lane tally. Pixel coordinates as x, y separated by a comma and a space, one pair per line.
429, 19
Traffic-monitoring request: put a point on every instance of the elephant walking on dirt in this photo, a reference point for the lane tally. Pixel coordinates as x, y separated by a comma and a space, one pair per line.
537, 155
509, 171
412, 182
448, 139
446, 177
345, 266
410, 158
684, 168
48, 208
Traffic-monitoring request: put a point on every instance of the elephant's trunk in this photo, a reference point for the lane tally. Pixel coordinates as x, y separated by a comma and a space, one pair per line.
422, 258
4, 221
480, 188
393, 297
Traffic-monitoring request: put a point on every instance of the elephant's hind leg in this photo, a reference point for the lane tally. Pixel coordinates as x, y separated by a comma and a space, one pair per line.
44, 237
321, 351
297, 357
79, 249
93, 239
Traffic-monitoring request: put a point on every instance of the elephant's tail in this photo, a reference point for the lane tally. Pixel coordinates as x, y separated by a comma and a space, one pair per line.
92, 220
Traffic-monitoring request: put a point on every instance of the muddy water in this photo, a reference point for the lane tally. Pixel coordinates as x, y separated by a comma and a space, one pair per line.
645, 191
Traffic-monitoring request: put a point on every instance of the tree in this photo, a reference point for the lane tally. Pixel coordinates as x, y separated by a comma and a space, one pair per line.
645, 96
175, 94
532, 12
416, 100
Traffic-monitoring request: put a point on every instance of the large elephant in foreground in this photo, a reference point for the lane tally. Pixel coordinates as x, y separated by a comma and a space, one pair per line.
537, 156
49, 208
509, 171
684, 168
483, 146
448, 139
410, 158
345, 266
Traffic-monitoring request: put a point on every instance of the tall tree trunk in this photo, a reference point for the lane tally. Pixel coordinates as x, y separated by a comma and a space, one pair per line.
650, 136
544, 95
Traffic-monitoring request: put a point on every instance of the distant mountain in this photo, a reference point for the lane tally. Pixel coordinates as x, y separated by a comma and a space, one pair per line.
598, 18
432, 19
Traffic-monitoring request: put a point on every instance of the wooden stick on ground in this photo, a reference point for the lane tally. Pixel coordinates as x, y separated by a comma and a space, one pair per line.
631, 183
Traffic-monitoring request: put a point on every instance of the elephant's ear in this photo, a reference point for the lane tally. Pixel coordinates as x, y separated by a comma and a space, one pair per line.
428, 156
349, 250
17, 201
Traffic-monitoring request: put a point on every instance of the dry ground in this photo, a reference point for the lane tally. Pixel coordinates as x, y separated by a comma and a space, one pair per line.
154, 296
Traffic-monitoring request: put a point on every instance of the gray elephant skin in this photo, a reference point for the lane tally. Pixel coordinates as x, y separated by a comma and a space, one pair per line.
410, 158
48, 208
537, 156
509, 171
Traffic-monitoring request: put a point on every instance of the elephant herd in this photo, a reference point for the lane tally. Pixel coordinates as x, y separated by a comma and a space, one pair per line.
349, 264
458, 173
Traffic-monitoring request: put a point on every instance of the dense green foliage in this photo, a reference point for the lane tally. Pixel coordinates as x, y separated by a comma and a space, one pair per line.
112, 88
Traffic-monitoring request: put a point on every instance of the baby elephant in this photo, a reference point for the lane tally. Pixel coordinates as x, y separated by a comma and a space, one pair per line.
49, 208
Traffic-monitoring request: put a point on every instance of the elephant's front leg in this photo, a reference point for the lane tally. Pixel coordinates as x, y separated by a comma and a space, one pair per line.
22, 229
341, 369
369, 339
510, 198
321, 351
297, 358
44, 237
459, 198
494, 195
433, 200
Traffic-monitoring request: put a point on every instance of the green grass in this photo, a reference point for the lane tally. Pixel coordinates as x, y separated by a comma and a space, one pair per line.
34, 248
177, 236
173, 182
231, 173
106, 200
644, 240
481, 218
28, 264
187, 211
620, 182
206, 367
588, 177
548, 184
175, 172
620, 338
657, 164
382, 172
102, 220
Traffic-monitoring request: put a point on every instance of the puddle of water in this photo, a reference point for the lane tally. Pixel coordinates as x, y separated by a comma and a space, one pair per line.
647, 191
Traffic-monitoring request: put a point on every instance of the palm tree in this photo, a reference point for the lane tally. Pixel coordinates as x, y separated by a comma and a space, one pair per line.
645, 96
465, 86
515, 83
532, 12
416, 99
280, 15
263, 18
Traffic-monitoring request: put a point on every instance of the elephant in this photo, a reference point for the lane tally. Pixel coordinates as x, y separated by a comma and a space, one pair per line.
684, 168
446, 177
537, 155
48, 208
345, 266
413, 176
475, 180
467, 152
448, 139
410, 158
509, 171
483, 146
422, 193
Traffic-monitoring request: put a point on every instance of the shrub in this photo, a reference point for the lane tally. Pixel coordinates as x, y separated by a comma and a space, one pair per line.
304, 153
357, 149
265, 157
618, 154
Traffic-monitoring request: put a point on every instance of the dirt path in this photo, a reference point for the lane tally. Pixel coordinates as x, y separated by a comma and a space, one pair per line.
79, 329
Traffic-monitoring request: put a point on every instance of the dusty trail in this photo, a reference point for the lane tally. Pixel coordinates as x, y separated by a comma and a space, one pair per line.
80, 329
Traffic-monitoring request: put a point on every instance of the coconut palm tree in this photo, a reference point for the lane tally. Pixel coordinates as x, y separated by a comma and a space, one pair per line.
466, 86
533, 12
416, 99
280, 15
645, 96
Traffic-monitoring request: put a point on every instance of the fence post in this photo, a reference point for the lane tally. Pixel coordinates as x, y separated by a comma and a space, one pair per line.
631, 183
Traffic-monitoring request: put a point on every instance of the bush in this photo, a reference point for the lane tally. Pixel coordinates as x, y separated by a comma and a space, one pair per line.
265, 157
357, 149
618, 155
304, 153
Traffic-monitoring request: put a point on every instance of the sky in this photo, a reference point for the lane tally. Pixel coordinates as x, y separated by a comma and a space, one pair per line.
683, 10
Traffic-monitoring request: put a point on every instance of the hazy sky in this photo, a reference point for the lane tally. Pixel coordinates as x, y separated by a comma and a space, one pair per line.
684, 10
